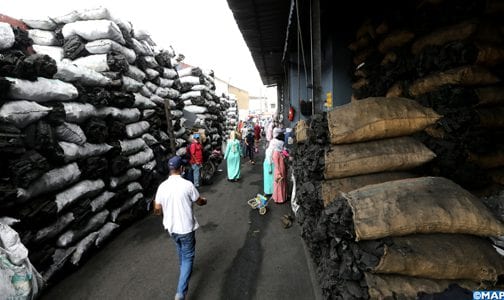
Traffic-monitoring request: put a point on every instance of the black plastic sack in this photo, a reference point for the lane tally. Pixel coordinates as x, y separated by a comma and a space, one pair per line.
94, 167
23, 41
121, 99
96, 131
116, 129
27, 168
118, 165
97, 96
117, 63
75, 47
41, 137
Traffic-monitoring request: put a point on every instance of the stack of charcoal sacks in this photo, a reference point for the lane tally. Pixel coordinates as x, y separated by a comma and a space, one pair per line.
452, 63
312, 141
231, 114
78, 146
202, 106
365, 236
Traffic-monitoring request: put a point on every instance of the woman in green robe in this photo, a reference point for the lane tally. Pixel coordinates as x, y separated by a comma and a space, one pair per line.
232, 157
268, 168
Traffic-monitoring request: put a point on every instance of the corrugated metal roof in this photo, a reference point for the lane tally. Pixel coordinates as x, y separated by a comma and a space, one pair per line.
263, 24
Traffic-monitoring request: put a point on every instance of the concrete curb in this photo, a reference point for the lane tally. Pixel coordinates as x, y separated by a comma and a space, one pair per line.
317, 291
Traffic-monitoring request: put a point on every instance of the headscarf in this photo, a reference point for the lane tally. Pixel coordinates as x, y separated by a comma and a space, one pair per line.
276, 145
276, 132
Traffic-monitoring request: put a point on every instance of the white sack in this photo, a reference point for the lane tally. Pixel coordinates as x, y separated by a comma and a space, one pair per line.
85, 188
144, 91
22, 113
136, 73
151, 74
72, 73
126, 115
107, 46
169, 73
78, 112
191, 94
163, 82
43, 37
96, 13
67, 18
147, 113
158, 100
82, 247
132, 146
94, 30
195, 109
149, 167
143, 102
131, 175
56, 228
167, 93
129, 204
50, 181
42, 90
56, 53
141, 158
137, 129
141, 48
97, 62
69, 132
177, 113
101, 201
151, 86
131, 85
105, 232
75, 152
45, 23
7, 37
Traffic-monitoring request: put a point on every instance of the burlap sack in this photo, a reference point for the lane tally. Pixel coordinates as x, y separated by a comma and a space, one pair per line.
462, 257
389, 58
359, 84
396, 90
403, 287
419, 205
497, 175
394, 154
361, 56
377, 118
488, 96
445, 35
332, 188
490, 55
492, 118
436, 131
395, 40
301, 131
465, 76
489, 160
361, 43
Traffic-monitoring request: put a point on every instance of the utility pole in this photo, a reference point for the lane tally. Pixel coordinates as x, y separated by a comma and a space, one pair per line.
316, 56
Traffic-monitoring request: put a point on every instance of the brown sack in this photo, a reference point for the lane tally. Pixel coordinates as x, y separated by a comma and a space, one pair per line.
301, 131
442, 256
488, 161
465, 76
396, 90
419, 205
332, 188
492, 118
403, 287
493, 95
361, 43
395, 40
445, 35
361, 56
377, 118
490, 55
394, 154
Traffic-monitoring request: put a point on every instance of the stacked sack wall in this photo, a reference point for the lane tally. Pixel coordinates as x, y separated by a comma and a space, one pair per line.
83, 131
451, 62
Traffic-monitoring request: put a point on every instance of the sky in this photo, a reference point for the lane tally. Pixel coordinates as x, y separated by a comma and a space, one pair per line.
203, 30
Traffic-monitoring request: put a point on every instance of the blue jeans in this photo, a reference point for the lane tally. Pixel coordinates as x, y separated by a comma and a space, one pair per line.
196, 174
186, 244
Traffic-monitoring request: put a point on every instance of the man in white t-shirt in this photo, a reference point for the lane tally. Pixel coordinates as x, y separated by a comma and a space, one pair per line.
174, 198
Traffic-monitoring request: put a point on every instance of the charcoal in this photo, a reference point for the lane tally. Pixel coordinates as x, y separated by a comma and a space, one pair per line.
28, 167
75, 47
454, 291
40, 136
23, 41
121, 99
96, 131
93, 167
97, 96
116, 129
117, 63
118, 165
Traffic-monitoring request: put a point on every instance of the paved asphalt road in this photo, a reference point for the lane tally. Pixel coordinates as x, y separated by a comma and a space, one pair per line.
239, 254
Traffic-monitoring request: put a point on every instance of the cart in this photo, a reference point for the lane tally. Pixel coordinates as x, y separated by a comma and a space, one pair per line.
259, 202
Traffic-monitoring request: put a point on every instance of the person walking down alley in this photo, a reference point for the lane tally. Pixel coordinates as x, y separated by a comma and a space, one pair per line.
280, 170
174, 199
268, 168
249, 144
196, 151
232, 157
257, 135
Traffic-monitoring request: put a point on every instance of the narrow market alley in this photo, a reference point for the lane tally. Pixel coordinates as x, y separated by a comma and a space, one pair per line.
239, 253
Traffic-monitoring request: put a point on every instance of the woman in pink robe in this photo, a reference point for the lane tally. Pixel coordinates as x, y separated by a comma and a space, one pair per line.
280, 175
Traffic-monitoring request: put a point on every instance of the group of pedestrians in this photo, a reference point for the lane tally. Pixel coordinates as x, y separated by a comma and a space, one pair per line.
175, 196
